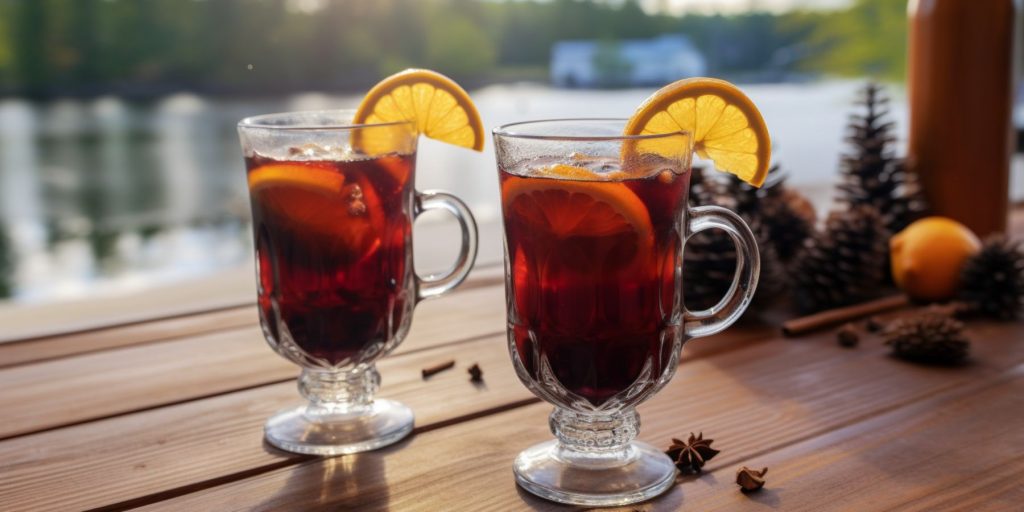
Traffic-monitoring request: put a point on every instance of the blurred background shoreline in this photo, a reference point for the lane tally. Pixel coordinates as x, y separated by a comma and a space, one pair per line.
119, 161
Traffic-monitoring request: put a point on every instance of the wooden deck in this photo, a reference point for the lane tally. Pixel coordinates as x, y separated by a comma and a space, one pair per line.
167, 414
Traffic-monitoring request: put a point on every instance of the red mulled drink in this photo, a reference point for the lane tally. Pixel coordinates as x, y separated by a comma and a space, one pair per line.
331, 244
593, 254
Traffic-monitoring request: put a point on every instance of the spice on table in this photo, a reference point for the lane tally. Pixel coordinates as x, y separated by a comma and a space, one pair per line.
437, 368
847, 336
873, 325
956, 309
750, 480
928, 338
475, 373
690, 456
829, 318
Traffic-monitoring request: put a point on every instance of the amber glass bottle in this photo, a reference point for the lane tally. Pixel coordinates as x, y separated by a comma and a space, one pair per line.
960, 88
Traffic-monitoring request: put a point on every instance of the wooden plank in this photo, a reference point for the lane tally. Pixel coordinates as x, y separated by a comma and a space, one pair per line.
751, 401
168, 450
230, 288
958, 451
21, 351
66, 391
128, 457
82, 342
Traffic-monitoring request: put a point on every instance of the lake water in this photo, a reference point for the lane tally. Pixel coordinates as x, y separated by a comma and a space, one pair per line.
105, 195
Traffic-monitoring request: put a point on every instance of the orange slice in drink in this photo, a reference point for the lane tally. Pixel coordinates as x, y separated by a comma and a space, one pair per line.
726, 126
435, 105
320, 206
601, 218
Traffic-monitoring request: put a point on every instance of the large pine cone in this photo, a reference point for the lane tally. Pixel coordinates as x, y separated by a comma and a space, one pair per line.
709, 264
871, 174
843, 264
709, 257
786, 216
992, 281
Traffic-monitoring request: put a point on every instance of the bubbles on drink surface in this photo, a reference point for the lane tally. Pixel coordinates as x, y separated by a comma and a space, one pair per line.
314, 152
582, 167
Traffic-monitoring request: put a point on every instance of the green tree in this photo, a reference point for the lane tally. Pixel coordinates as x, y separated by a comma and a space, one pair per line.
459, 47
870, 37
31, 63
6, 263
6, 52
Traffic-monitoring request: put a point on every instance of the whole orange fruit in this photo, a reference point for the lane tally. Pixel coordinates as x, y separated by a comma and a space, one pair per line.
927, 256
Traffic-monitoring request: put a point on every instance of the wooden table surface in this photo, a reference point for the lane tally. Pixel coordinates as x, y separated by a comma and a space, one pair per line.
167, 414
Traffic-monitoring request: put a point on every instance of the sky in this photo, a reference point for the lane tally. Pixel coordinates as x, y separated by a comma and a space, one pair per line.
733, 6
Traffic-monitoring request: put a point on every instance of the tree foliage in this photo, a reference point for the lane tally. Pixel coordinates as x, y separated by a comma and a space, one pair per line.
870, 37
146, 47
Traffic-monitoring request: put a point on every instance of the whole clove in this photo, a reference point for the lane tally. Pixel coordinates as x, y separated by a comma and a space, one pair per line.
873, 325
475, 373
847, 336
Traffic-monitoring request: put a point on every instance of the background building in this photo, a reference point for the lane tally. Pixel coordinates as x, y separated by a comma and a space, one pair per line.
627, 63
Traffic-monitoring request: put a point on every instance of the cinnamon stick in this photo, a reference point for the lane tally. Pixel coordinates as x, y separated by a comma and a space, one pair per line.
828, 318
437, 368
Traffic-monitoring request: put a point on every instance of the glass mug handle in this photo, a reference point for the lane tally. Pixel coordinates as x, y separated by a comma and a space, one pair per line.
715, 319
436, 285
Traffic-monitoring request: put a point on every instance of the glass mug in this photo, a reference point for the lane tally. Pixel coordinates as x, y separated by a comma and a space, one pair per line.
333, 206
595, 225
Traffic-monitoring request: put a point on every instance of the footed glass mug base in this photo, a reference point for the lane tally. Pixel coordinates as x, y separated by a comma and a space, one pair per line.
341, 417
594, 462
382, 423
645, 473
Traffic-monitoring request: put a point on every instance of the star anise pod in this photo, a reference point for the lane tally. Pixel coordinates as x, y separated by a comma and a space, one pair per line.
750, 479
691, 455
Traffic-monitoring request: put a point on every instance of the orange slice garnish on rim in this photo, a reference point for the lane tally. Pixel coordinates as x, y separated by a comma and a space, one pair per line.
434, 104
319, 205
726, 126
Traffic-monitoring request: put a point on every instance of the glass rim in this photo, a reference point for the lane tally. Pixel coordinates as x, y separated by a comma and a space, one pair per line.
260, 121
507, 131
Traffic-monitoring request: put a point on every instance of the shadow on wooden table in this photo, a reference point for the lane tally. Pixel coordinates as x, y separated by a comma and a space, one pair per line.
768, 497
341, 479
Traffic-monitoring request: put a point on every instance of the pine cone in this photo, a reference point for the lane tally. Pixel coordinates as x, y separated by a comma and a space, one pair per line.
774, 280
843, 264
928, 338
992, 281
709, 259
709, 265
704, 189
787, 217
871, 174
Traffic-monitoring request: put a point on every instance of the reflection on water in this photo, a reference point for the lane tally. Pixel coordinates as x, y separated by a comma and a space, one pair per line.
104, 193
